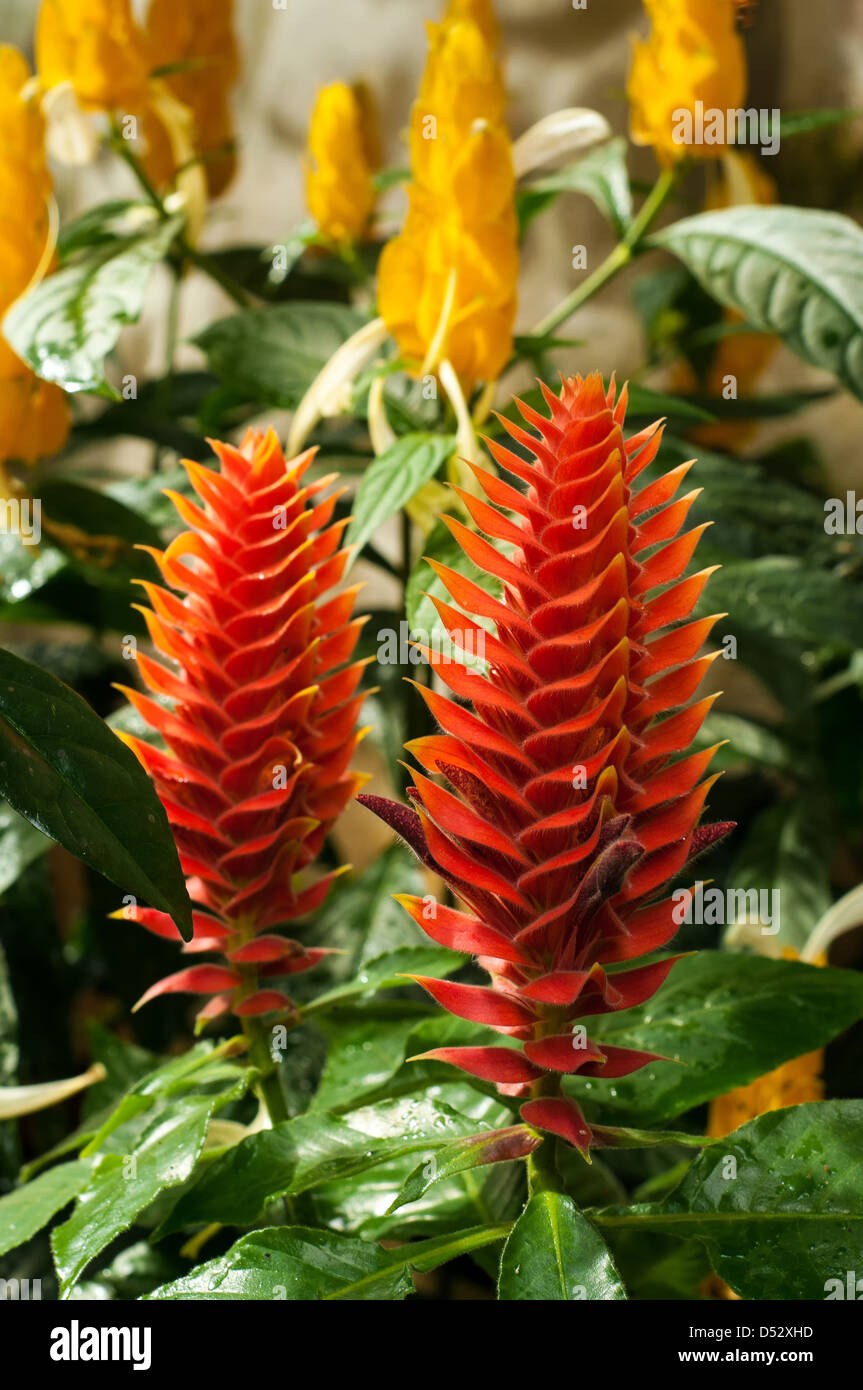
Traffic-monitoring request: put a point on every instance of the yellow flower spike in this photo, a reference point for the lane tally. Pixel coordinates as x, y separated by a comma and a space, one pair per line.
97, 47
34, 417
343, 152
481, 12
694, 53
193, 51
447, 283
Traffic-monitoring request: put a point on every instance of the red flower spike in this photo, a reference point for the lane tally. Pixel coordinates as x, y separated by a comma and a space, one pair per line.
562, 805
261, 721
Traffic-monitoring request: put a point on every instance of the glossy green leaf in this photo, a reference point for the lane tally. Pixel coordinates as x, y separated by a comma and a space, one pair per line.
424, 585
64, 770
393, 478
123, 1185
601, 175
778, 1203
20, 844
273, 355
788, 849
359, 1205
25, 568
787, 599
360, 915
728, 1018
475, 1151
68, 323
304, 1265
390, 971
554, 1254
302, 1153
28, 1208
796, 272
199, 1067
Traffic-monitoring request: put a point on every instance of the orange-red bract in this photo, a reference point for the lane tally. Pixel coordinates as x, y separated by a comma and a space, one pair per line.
259, 719
567, 804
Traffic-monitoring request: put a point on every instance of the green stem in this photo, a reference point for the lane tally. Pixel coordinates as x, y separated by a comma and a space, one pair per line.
165, 388
216, 273
268, 1084
542, 1170
189, 252
616, 259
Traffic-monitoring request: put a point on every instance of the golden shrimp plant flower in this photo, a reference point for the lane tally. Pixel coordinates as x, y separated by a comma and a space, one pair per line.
97, 47
259, 718
693, 53
447, 282
569, 798
193, 40
34, 417
343, 154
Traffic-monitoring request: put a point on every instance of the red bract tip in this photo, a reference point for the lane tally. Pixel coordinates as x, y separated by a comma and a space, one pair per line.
258, 711
566, 807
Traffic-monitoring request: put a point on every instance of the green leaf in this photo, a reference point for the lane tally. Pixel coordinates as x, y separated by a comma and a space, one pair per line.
358, 1205
793, 123
302, 1153
602, 175
273, 355
643, 401
24, 569
63, 769
728, 1018
772, 407
96, 514
30, 1207
476, 1150
616, 1137
389, 972
424, 585
796, 272
393, 478
125, 1064
363, 907
201, 1066
366, 1047
787, 848
20, 844
747, 742
122, 1186
554, 1254
102, 225
788, 599
297, 1264
66, 326
782, 1220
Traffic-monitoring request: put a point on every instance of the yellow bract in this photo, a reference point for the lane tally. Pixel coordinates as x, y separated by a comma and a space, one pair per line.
196, 37
447, 283
481, 12
97, 47
343, 155
694, 53
34, 418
